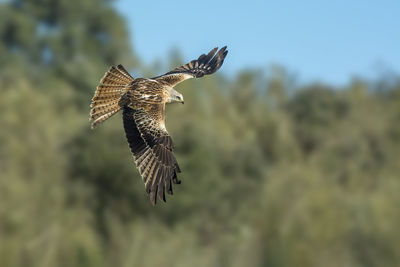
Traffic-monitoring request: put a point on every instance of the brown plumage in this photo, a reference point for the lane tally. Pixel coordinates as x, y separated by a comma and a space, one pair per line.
143, 103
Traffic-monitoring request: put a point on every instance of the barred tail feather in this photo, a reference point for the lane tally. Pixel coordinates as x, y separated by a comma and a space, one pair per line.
108, 98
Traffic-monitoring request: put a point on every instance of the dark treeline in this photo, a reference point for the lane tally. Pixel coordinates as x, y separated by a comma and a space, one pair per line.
274, 174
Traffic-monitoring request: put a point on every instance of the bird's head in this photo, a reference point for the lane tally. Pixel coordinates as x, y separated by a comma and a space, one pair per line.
175, 96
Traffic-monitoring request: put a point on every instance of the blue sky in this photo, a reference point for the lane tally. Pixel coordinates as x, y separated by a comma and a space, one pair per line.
329, 41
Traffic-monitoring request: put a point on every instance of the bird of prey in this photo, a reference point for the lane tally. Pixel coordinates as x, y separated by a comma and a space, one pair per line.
143, 102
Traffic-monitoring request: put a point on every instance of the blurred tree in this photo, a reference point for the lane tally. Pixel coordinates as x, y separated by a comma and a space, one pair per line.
274, 174
52, 56
314, 110
66, 39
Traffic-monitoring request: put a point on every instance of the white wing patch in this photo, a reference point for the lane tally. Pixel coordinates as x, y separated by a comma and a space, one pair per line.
145, 97
162, 125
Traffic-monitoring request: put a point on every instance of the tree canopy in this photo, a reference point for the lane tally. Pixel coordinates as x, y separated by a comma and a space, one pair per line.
273, 173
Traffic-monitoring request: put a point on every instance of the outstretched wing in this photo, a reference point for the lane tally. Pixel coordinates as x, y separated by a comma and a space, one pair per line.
152, 147
204, 65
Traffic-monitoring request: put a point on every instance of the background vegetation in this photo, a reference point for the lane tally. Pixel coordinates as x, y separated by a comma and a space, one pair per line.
274, 174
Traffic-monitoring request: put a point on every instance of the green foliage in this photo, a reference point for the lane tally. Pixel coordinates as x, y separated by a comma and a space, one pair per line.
272, 174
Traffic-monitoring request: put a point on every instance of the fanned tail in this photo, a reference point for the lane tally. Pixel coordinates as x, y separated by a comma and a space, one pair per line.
108, 98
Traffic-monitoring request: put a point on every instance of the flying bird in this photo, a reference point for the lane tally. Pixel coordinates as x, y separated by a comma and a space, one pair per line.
142, 102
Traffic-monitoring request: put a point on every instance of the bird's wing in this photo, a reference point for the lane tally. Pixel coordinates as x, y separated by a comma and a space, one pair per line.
204, 65
152, 147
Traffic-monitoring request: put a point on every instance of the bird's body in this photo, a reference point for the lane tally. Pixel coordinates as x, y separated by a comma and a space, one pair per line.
143, 103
